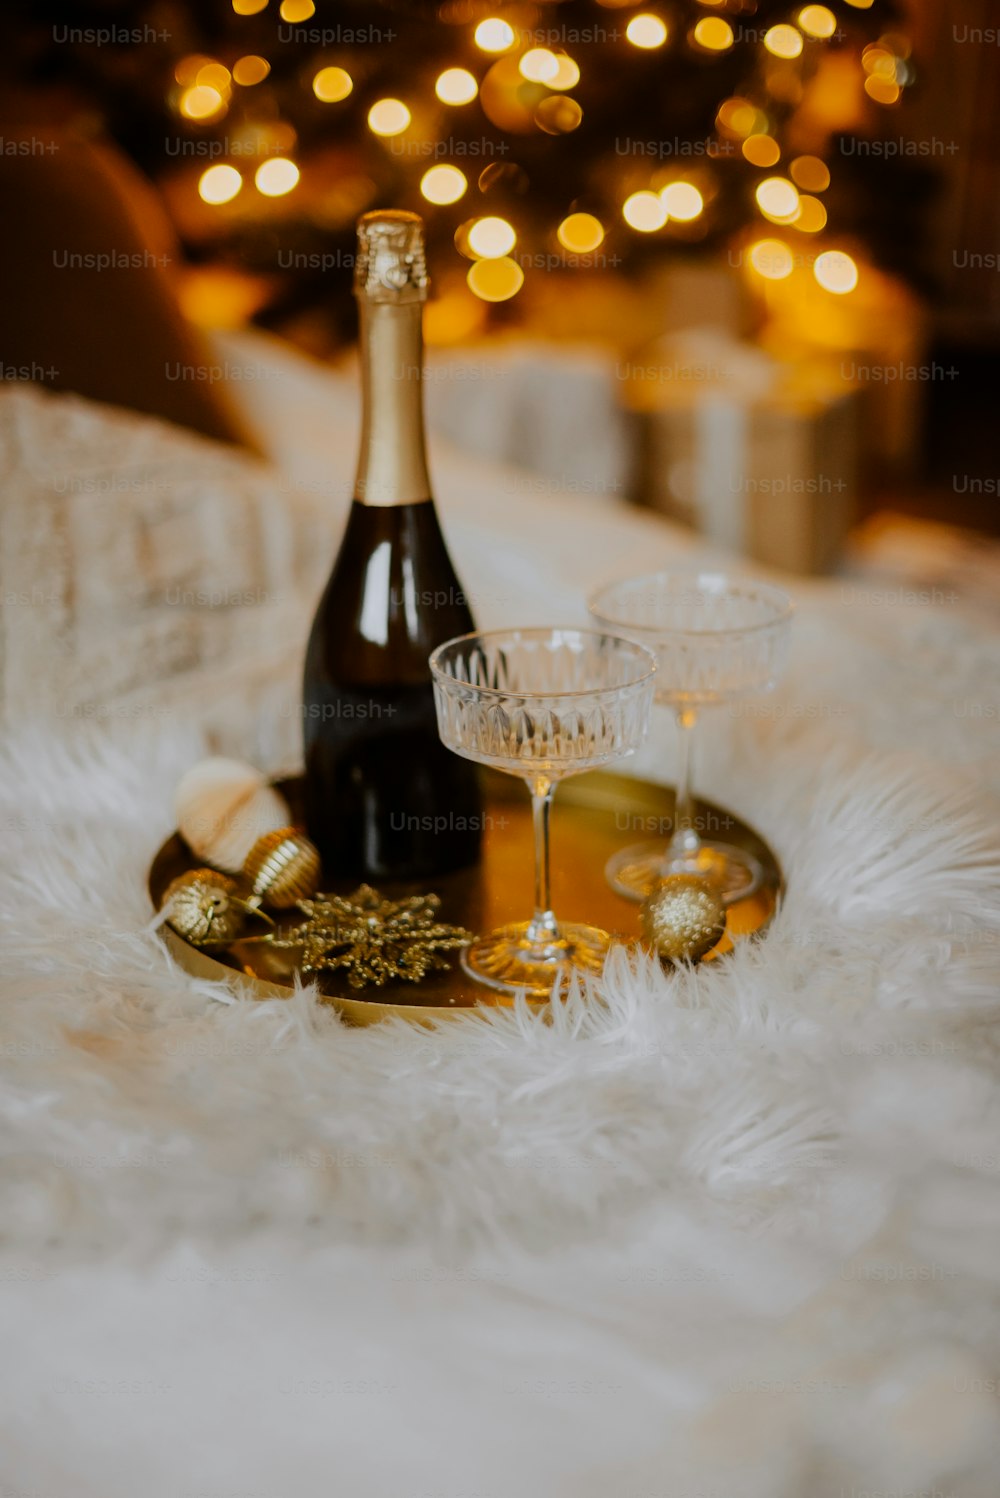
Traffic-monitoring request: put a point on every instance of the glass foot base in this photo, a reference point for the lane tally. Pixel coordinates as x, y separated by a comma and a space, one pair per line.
508, 961
634, 872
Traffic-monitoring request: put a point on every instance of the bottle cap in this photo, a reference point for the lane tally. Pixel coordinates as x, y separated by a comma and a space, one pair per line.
391, 265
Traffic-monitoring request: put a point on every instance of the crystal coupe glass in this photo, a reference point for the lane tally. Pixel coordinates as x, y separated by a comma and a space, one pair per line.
716, 638
541, 704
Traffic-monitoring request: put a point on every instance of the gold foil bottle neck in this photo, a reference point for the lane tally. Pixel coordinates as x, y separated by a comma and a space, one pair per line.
391, 264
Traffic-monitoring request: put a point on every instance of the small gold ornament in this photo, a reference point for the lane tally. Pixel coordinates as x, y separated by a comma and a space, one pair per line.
373, 939
282, 868
683, 918
204, 907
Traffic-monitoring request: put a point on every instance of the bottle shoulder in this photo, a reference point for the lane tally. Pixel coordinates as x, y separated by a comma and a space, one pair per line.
393, 595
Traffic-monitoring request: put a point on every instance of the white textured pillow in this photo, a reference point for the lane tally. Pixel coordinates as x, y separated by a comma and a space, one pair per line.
147, 571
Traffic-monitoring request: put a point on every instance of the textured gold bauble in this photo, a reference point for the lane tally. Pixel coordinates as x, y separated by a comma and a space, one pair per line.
282, 868
683, 918
204, 907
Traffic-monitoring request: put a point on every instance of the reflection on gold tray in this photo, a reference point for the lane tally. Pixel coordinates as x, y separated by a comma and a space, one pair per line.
593, 816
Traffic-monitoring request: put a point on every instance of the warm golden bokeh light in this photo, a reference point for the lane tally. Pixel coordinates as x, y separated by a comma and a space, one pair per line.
810, 173
581, 233
201, 102
644, 211
558, 114
778, 199
772, 259
835, 271
491, 238
249, 7
276, 177
187, 70
682, 200
646, 31
861, 4
494, 35
443, 184
295, 11
538, 65
882, 90
388, 117
817, 21
219, 184
215, 75
713, 33
495, 280
332, 84
739, 117
811, 217
568, 75
250, 70
876, 59
783, 41
761, 150
456, 86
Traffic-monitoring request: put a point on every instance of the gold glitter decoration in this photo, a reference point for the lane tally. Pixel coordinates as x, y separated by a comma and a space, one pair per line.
203, 906
282, 868
374, 940
683, 918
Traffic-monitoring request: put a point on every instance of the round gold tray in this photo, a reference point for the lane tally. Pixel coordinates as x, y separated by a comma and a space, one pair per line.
594, 815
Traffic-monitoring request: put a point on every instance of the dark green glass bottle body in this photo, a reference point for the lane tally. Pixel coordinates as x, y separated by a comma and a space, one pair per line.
384, 798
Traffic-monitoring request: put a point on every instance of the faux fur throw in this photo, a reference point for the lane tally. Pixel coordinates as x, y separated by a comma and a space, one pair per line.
727, 1233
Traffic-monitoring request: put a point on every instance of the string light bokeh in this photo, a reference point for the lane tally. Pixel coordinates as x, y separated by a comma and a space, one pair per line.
457, 127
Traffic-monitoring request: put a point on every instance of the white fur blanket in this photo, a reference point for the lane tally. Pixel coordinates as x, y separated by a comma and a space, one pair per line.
728, 1234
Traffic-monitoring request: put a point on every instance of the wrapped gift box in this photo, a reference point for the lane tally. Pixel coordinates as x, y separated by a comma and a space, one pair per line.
759, 455
552, 409
877, 339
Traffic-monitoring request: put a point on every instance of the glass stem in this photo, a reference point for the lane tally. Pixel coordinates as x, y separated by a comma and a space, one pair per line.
542, 929
685, 842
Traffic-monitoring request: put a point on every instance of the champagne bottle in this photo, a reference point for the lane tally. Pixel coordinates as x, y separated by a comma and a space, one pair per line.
384, 798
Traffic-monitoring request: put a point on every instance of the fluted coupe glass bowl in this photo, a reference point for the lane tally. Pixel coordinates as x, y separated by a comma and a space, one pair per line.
716, 638
541, 704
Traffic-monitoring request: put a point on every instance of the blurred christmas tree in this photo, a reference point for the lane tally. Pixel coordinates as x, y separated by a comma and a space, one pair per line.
583, 136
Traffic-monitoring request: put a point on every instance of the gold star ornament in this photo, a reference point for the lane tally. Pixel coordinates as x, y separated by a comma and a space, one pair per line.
372, 939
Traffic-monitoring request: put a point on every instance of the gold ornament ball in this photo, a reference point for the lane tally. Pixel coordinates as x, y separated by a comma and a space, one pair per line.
283, 868
204, 907
683, 918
